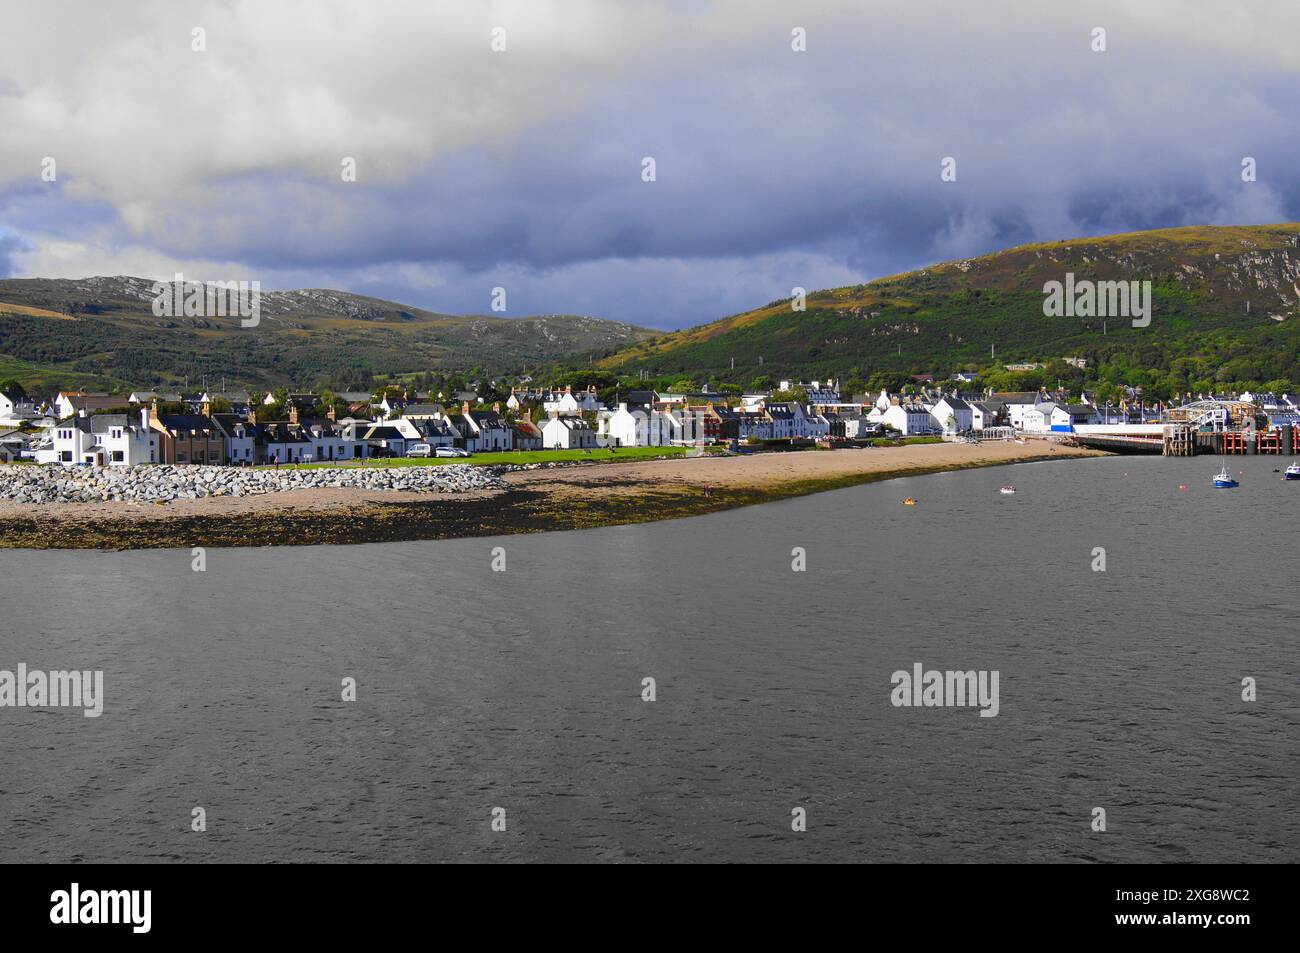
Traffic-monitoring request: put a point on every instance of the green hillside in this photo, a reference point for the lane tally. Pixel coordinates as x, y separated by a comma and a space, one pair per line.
1226, 308
101, 332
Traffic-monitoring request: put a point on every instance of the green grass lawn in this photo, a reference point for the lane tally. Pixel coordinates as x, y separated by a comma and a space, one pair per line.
516, 457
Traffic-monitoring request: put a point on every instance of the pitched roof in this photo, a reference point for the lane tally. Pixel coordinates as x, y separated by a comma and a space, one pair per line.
280, 431
186, 422
227, 423
102, 423
488, 418
95, 401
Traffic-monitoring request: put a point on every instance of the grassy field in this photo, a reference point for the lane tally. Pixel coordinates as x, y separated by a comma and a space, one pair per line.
516, 457
32, 374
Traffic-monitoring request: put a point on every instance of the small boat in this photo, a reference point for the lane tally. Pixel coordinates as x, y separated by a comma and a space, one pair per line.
1007, 489
909, 502
1292, 472
1223, 481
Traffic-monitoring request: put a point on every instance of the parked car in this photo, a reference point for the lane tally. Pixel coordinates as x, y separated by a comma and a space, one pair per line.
419, 450
451, 452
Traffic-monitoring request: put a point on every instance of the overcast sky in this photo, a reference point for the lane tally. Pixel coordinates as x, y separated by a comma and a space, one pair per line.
523, 168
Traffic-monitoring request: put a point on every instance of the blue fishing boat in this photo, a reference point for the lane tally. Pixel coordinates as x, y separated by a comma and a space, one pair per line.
1223, 481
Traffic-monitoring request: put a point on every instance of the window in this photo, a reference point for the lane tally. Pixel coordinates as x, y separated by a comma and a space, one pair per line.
65, 456
182, 457
117, 456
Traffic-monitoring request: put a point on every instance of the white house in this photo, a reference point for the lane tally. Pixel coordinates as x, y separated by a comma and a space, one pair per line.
389, 437
16, 409
638, 428
1074, 414
816, 426
1018, 403
567, 433
952, 415
984, 414
240, 438
754, 424
482, 430
569, 403
518, 398
1037, 419
70, 403
788, 420
15, 444
908, 419
104, 440
435, 431
330, 442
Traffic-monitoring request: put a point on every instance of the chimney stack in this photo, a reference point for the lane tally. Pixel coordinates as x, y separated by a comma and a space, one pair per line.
464, 408
293, 413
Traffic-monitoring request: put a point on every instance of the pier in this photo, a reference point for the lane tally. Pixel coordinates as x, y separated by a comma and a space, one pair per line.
1205, 427
1177, 440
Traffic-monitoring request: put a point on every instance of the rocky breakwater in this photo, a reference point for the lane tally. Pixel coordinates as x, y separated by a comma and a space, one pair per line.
164, 484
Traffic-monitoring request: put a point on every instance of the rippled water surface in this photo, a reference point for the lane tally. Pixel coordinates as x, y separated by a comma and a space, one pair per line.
522, 690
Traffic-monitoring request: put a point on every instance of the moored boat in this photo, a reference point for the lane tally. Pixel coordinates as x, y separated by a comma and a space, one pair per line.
1224, 481
1292, 472
1009, 488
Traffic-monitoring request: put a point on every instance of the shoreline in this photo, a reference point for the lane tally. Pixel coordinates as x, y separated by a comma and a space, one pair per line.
557, 499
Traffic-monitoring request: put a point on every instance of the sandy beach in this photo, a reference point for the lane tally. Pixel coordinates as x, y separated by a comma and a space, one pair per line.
768, 470
591, 494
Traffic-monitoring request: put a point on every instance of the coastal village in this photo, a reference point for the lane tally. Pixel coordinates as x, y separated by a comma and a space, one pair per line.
236, 428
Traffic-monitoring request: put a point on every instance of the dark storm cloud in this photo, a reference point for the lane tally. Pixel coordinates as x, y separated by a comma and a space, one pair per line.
774, 168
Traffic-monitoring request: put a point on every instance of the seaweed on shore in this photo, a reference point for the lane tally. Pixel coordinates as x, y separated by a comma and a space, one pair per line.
522, 510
